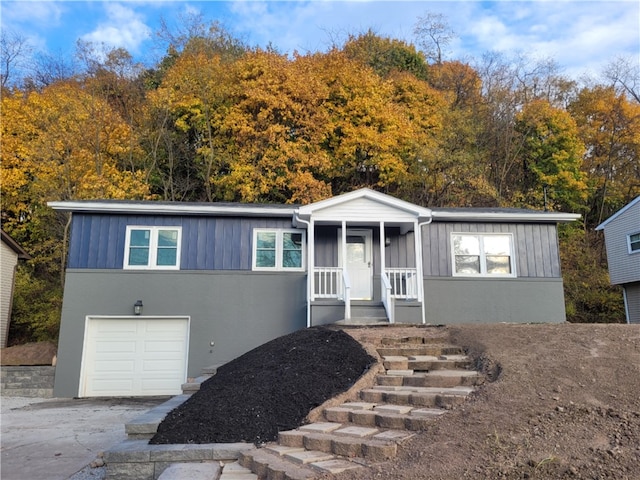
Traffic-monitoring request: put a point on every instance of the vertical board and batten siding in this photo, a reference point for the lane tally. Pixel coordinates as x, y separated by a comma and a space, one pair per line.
400, 253
624, 267
535, 247
222, 243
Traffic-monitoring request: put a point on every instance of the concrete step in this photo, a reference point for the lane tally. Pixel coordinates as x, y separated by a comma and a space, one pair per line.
268, 465
381, 415
416, 396
426, 362
435, 378
193, 384
145, 426
235, 471
192, 471
435, 350
344, 440
415, 340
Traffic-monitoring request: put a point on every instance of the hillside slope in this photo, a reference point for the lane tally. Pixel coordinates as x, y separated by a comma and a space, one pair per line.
565, 405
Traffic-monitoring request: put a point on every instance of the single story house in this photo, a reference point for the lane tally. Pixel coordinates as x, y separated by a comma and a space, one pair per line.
155, 291
622, 240
10, 253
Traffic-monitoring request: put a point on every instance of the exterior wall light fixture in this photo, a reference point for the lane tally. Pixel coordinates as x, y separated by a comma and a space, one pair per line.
137, 307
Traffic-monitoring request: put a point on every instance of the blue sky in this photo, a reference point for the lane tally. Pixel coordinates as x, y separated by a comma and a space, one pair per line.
582, 36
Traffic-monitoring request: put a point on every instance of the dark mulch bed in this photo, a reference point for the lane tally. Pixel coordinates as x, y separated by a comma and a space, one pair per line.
269, 389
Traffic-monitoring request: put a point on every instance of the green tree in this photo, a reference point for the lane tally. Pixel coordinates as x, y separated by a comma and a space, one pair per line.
551, 158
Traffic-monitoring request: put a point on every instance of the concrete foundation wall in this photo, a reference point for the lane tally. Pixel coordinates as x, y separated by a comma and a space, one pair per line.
515, 300
236, 310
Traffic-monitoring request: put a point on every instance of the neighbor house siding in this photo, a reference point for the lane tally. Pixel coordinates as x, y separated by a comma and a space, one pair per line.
624, 267
8, 262
632, 296
535, 247
223, 243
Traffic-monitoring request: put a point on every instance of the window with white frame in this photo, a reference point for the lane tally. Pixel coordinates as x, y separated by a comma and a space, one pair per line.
634, 242
277, 249
482, 254
152, 248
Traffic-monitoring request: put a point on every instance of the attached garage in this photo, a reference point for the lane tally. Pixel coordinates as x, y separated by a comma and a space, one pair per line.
134, 356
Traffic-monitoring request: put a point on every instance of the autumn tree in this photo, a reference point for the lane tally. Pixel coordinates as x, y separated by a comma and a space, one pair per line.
609, 123
58, 144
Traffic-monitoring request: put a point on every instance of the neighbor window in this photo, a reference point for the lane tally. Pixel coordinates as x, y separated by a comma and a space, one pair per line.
152, 248
477, 254
278, 249
634, 242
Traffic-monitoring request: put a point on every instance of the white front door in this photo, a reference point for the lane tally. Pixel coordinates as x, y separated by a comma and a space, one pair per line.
359, 263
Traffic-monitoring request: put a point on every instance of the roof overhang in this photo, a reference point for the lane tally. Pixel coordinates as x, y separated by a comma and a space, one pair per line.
618, 213
174, 208
15, 246
524, 216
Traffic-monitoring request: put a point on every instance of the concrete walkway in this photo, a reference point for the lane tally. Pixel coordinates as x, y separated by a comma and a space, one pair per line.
52, 439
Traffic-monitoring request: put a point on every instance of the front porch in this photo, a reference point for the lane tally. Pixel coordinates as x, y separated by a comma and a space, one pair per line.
395, 298
364, 256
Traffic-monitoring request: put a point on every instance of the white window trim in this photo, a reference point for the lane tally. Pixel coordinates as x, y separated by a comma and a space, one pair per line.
632, 252
153, 247
279, 249
483, 262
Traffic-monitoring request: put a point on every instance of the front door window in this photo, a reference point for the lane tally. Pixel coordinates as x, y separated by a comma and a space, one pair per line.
359, 263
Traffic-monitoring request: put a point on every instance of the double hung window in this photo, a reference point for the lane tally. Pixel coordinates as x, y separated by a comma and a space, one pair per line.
634, 242
276, 249
152, 248
485, 255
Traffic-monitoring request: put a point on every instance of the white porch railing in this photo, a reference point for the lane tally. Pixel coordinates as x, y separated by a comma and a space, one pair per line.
333, 282
387, 298
404, 283
328, 282
395, 283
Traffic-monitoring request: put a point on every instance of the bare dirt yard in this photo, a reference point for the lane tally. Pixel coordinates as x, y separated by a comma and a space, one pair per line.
564, 403
560, 401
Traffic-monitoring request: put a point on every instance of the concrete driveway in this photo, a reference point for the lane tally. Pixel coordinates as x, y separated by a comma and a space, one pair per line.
54, 439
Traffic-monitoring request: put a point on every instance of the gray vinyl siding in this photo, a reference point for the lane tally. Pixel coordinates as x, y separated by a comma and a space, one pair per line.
223, 243
624, 267
238, 311
632, 298
535, 247
488, 300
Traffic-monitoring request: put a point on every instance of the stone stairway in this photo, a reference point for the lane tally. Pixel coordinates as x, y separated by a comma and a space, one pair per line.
421, 380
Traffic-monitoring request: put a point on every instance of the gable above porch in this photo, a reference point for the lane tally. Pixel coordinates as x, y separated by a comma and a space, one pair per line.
362, 206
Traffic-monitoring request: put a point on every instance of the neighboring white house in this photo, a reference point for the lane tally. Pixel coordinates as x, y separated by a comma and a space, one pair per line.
10, 253
622, 239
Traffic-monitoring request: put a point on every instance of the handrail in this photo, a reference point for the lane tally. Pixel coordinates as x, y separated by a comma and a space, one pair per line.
404, 283
346, 282
387, 299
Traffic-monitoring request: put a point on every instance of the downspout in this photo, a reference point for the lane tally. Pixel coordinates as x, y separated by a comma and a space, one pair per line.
420, 266
310, 255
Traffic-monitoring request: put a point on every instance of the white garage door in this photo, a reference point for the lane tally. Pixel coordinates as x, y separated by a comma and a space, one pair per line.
134, 356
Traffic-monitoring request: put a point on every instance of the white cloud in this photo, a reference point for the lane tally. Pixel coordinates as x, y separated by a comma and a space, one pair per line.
123, 28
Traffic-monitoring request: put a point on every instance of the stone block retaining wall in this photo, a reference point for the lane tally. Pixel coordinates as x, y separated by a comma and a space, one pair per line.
27, 381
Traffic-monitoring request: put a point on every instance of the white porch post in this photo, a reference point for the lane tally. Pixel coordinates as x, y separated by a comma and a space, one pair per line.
347, 287
310, 269
382, 246
417, 228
